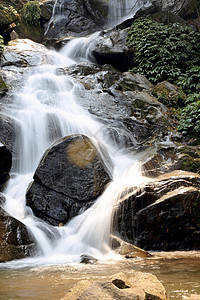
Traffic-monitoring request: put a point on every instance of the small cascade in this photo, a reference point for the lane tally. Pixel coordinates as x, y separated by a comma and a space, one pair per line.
119, 10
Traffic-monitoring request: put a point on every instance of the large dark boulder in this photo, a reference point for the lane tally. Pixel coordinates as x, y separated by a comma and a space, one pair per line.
15, 240
69, 178
164, 214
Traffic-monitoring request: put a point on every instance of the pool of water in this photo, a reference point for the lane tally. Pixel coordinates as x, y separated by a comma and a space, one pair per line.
179, 272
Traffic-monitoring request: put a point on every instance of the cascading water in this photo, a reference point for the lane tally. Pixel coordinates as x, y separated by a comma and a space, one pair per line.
118, 10
47, 109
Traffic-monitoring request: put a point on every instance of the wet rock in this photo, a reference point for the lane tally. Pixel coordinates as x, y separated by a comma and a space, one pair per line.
126, 249
46, 10
69, 178
5, 165
8, 20
87, 259
125, 104
76, 18
163, 215
111, 48
2, 200
3, 87
15, 240
139, 286
193, 297
9, 130
24, 53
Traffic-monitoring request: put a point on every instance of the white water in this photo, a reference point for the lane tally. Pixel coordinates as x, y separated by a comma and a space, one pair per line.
47, 109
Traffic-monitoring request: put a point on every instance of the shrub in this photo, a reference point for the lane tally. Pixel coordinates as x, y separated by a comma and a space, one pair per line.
190, 119
190, 81
31, 13
163, 52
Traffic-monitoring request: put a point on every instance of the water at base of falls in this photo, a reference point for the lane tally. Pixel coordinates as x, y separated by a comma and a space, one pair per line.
49, 101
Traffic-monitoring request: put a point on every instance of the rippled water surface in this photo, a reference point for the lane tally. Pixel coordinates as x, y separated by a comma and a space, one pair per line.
179, 274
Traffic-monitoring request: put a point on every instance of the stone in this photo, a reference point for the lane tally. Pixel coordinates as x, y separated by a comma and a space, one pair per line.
87, 259
5, 165
111, 48
8, 20
163, 214
24, 53
15, 240
139, 286
193, 297
169, 94
126, 249
126, 107
69, 178
7, 130
78, 18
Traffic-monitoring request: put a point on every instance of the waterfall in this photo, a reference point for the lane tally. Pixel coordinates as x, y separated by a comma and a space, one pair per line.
47, 109
119, 10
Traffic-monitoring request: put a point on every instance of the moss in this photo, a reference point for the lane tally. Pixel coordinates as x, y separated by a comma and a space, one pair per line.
3, 85
193, 152
35, 33
188, 163
8, 15
1, 45
31, 13
171, 96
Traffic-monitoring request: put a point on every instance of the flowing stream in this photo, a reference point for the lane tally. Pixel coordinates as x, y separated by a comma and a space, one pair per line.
47, 109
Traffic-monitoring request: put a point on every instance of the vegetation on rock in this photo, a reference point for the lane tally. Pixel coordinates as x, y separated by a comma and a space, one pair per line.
163, 52
31, 12
8, 15
190, 119
1, 45
170, 53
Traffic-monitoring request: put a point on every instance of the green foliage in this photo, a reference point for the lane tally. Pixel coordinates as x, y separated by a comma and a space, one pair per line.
1, 45
190, 119
190, 81
193, 98
8, 15
163, 52
31, 13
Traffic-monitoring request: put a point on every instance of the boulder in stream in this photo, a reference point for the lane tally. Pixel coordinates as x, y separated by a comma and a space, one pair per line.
141, 286
162, 215
15, 240
69, 178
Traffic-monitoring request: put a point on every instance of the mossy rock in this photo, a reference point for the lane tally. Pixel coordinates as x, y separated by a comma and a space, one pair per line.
169, 94
191, 11
192, 151
1, 45
33, 32
3, 85
17, 4
8, 15
189, 159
